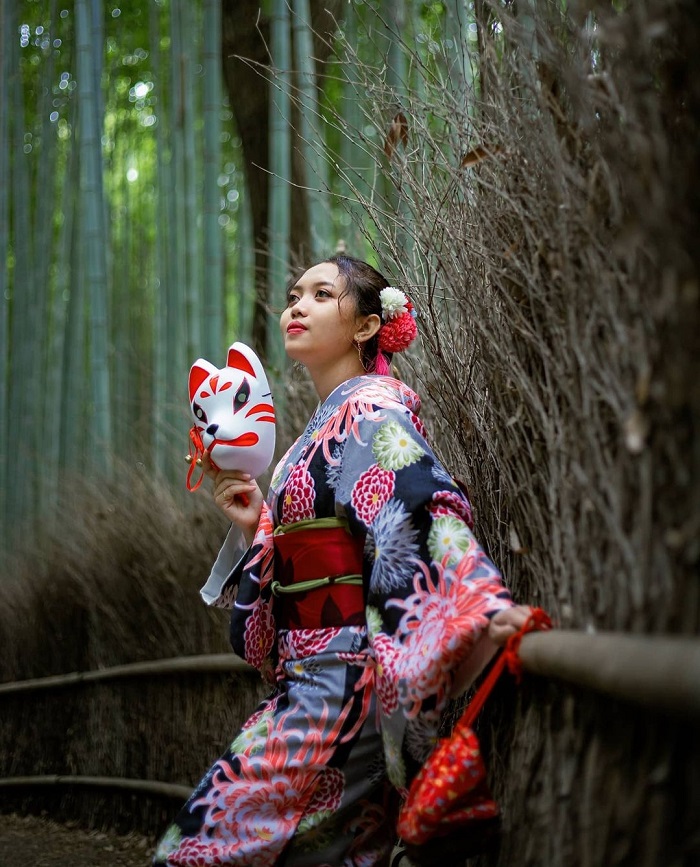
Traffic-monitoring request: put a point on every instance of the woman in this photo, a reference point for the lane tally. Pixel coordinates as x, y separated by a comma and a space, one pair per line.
362, 596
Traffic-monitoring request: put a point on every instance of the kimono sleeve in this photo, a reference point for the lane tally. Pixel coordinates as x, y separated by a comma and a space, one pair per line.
240, 580
431, 589
222, 584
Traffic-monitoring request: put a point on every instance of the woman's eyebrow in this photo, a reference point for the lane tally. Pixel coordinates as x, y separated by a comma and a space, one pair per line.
316, 285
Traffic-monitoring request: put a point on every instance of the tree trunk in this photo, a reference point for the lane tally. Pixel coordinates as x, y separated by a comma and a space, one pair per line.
245, 40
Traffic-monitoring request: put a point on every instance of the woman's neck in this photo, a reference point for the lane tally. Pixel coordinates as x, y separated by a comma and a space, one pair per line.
327, 379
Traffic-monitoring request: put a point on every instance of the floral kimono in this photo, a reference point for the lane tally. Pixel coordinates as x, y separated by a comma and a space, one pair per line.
316, 775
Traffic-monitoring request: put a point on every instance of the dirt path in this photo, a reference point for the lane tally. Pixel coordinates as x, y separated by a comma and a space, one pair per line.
27, 841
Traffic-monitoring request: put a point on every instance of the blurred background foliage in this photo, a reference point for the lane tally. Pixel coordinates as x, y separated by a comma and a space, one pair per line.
165, 165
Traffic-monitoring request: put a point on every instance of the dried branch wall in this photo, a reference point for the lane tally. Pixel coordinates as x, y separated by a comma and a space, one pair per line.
547, 226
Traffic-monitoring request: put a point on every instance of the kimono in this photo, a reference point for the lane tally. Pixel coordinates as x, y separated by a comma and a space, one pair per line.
316, 775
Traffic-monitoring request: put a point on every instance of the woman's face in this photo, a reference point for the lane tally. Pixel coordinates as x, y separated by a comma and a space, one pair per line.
317, 329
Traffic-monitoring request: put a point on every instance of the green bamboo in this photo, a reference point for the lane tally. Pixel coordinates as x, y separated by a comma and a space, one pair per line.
279, 188
457, 20
94, 237
193, 277
163, 271
397, 61
350, 154
176, 325
56, 392
44, 218
6, 36
212, 282
120, 311
394, 16
245, 270
98, 42
73, 434
314, 163
23, 387
526, 11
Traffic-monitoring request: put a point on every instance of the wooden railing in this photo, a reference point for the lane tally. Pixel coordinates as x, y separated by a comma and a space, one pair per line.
659, 672
213, 662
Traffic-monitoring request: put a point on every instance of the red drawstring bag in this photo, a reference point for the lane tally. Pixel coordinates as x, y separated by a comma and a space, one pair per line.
451, 790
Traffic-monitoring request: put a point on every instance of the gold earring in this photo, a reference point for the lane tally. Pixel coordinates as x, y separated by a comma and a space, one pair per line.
358, 346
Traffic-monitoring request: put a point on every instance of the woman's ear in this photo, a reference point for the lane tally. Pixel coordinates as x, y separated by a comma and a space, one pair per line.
368, 328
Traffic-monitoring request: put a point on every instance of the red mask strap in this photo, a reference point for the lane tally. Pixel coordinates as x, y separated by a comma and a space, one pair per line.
195, 453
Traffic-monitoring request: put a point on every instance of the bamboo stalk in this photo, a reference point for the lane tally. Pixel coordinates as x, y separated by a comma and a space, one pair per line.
151, 787
93, 234
311, 139
280, 175
56, 366
178, 358
457, 19
659, 672
354, 174
189, 32
23, 392
212, 283
245, 271
162, 278
206, 663
6, 37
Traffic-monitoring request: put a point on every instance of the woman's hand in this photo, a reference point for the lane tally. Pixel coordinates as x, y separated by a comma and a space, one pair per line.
237, 495
507, 622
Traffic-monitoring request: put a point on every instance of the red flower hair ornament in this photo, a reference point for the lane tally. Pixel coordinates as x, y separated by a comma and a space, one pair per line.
399, 329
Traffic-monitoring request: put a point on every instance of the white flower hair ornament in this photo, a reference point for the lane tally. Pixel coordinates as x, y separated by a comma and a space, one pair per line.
399, 329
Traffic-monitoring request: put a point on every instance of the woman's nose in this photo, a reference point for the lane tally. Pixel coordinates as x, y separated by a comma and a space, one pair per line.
301, 305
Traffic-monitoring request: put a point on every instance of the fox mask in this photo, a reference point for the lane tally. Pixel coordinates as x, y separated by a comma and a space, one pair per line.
234, 417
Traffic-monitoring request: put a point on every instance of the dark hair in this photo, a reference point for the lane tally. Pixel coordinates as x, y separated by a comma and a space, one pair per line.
363, 283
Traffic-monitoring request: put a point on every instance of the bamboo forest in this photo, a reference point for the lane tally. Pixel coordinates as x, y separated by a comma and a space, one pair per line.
526, 171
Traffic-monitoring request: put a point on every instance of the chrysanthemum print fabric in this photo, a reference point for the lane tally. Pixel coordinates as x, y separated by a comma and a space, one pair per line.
356, 709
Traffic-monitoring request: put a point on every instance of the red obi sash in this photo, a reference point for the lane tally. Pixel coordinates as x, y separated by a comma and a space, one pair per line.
318, 575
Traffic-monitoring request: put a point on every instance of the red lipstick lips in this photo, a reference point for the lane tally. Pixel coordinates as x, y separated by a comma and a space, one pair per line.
295, 327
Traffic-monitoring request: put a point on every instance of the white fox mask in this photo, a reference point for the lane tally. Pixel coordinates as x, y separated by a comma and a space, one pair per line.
233, 411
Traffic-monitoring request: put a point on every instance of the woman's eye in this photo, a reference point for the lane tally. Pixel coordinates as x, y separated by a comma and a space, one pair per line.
292, 300
322, 293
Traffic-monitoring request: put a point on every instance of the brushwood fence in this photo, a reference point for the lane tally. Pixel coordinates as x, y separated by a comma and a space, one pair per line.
137, 738
656, 673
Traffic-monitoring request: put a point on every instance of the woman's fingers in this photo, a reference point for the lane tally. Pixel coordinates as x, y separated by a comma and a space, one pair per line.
507, 622
240, 499
229, 483
229, 490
